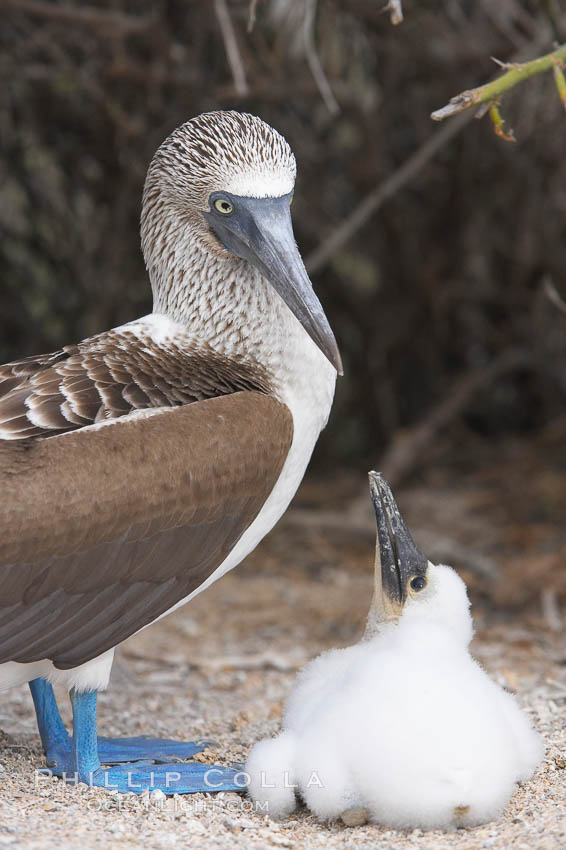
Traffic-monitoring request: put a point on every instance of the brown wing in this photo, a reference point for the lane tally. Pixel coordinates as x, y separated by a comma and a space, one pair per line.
104, 529
110, 375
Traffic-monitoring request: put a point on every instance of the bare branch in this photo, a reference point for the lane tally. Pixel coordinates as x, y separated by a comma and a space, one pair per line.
560, 82
516, 73
553, 295
551, 609
389, 187
252, 15
499, 124
314, 62
408, 446
83, 16
395, 11
231, 47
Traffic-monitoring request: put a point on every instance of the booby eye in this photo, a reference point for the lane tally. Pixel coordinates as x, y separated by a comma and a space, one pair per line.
223, 206
418, 583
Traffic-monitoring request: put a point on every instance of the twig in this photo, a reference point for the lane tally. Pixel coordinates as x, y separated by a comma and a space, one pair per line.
552, 13
231, 47
262, 661
447, 550
83, 15
350, 521
411, 444
560, 82
390, 186
553, 295
251, 15
499, 124
314, 62
395, 11
516, 73
511, 20
358, 522
551, 609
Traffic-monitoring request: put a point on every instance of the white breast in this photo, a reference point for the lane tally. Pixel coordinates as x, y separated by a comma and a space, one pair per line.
307, 388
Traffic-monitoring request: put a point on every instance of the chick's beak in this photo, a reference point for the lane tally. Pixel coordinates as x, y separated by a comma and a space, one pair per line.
397, 558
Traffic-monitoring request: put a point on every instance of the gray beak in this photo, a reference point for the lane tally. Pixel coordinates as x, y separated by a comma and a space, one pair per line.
260, 231
396, 552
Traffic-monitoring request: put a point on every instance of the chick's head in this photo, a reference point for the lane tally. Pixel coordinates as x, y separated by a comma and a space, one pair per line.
408, 587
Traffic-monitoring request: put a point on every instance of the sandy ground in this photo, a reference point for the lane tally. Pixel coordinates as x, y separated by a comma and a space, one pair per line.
222, 668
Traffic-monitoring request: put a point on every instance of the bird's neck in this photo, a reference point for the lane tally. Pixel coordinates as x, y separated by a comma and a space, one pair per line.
223, 300
226, 302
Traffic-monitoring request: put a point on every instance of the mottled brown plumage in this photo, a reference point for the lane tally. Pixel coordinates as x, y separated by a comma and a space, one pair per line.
112, 374
77, 582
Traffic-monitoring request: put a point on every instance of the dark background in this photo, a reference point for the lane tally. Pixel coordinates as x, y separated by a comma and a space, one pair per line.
445, 302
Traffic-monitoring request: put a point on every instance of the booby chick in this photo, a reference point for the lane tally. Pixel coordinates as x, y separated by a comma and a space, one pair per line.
405, 724
140, 465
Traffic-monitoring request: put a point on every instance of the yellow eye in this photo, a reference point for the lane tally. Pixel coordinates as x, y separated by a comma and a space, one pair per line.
223, 206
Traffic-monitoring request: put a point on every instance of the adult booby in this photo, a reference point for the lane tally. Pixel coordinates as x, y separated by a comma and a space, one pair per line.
404, 728
140, 465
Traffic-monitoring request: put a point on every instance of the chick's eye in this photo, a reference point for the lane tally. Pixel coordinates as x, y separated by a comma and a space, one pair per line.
417, 583
223, 206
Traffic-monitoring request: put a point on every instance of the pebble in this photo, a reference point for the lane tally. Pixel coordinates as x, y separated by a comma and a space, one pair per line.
231, 800
240, 823
196, 827
281, 841
354, 817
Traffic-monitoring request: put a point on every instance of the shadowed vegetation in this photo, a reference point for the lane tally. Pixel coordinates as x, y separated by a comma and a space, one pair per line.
462, 265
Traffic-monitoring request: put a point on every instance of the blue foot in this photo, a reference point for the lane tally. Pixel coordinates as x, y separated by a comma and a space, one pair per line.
135, 763
176, 778
55, 739
160, 750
